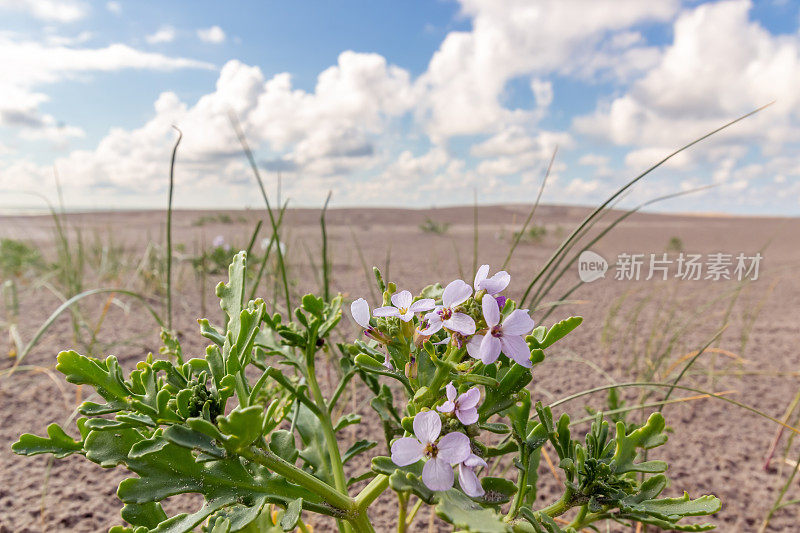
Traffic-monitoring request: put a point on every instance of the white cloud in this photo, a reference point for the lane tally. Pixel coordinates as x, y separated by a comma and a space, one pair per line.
28, 66
214, 35
114, 7
49, 10
719, 66
516, 38
165, 34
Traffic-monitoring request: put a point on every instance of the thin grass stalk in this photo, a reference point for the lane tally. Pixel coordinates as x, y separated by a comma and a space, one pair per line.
275, 228
537, 298
267, 252
169, 225
621, 190
475, 230
326, 268
645, 384
253, 238
519, 235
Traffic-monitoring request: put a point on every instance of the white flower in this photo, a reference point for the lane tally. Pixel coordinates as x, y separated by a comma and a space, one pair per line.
507, 337
456, 293
403, 307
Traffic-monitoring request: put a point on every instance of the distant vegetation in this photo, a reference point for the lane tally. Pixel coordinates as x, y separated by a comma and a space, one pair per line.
432, 226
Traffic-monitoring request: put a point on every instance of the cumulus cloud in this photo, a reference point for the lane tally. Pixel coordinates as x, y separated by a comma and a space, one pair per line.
213, 35
471, 69
29, 66
720, 65
165, 34
372, 132
49, 10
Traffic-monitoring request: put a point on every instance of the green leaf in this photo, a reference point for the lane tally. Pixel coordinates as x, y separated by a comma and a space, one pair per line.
283, 445
666, 512
148, 514
241, 488
242, 426
57, 442
231, 294
292, 515
646, 437
359, 447
313, 305
104, 376
557, 331
315, 453
457, 509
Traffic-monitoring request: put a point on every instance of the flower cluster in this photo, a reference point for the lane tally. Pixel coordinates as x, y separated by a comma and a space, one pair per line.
475, 319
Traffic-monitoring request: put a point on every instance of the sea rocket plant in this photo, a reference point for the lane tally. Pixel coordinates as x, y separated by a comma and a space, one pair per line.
450, 450
429, 369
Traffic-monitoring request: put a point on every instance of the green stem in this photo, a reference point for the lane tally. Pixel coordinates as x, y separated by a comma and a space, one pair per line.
564, 504
443, 371
371, 492
324, 416
522, 482
361, 523
402, 508
413, 513
266, 458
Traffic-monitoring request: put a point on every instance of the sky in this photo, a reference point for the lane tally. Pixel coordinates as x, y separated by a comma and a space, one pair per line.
409, 104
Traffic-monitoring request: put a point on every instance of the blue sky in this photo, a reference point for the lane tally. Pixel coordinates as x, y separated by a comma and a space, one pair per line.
415, 104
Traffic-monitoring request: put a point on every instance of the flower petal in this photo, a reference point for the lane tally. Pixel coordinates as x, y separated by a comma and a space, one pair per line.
490, 349
451, 391
473, 461
446, 407
402, 299
387, 363
469, 482
474, 346
425, 304
467, 416
491, 312
437, 474
388, 310
407, 316
518, 322
360, 311
434, 323
406, 451
480, 275
469, 399
456, 293
517, 349
453, 447
427, 426
496, 283
461, 323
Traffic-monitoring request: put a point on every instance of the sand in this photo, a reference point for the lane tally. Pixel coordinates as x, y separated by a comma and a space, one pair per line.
714, 447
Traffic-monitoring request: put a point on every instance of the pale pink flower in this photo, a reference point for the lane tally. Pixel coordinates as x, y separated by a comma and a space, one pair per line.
360, 311
466, 476
456, 293
492, 285
452, 449
507, 337
464, 406
404, 307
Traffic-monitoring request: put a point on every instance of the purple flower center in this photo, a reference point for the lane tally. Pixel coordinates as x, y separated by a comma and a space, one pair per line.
446, 313
431, 450
497, 331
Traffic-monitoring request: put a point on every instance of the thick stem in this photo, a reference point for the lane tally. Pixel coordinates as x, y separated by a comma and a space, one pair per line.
324, 416
332, 496
361, 523
560, 507
371, 492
